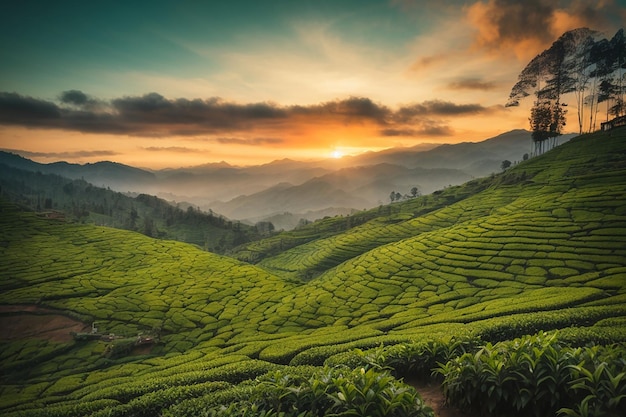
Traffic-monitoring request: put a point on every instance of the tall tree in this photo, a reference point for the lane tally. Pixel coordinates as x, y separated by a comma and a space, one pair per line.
618, 61
577, 62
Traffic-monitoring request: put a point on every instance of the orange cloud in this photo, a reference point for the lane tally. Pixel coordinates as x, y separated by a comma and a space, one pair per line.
525, 28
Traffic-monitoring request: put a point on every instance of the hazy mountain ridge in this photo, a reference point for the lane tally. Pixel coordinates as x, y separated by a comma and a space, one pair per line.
250, 193
80, 201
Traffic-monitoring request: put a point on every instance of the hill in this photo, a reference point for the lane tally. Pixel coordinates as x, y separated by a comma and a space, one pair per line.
77, 200
539, 247
352, 189
117, 176
474, 158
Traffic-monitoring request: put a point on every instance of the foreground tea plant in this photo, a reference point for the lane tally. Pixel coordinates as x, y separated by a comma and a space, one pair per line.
327, 392
415, 360
538, 376
601, 383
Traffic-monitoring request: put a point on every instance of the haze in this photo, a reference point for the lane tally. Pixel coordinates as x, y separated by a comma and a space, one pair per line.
169, 84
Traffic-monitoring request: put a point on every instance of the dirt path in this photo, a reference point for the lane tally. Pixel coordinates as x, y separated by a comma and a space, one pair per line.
433, 396
34, 322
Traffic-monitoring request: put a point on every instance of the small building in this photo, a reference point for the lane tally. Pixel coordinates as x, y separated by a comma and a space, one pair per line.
613, 123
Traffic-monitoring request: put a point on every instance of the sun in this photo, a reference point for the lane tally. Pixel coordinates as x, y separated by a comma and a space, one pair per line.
337, 154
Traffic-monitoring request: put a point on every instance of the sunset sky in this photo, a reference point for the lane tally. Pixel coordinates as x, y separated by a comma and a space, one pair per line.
177, 83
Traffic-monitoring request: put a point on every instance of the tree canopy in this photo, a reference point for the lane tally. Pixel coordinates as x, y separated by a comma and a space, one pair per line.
581, 64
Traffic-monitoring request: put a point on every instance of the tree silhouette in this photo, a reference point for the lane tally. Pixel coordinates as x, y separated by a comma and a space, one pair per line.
579, 63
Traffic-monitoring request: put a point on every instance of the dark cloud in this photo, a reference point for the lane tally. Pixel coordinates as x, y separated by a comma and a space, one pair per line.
152, 115
213, 112
424, 128
81, 101
472, 84
350, 109
436, 108
62, 155
251, 142
503, 24
17, 109
76, 97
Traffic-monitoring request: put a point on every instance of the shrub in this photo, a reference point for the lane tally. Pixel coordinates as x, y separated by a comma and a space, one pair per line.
538, 375
332, 391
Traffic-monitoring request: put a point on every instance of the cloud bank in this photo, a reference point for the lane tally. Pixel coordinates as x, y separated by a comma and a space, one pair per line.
531, 25
153, 115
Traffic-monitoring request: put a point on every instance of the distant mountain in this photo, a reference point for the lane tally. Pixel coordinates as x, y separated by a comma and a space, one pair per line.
475, 158
301, 187
80, 201
207, 183
117, 176
349, 188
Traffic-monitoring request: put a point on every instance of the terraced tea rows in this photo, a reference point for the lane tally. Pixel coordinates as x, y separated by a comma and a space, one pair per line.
539, 248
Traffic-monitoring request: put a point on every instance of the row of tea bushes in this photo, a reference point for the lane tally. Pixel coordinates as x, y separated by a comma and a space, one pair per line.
537, 375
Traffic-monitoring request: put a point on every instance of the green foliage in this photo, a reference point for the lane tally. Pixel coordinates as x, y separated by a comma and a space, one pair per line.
408, 360
78, 200
537, 375
327, 392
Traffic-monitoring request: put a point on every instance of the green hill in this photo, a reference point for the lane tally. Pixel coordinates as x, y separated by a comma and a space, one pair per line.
539, 247
81, 201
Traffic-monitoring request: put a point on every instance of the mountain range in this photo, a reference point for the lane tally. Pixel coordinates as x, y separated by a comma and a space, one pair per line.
285, 191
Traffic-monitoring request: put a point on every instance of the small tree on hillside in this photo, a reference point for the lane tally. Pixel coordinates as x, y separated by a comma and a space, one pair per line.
547, 119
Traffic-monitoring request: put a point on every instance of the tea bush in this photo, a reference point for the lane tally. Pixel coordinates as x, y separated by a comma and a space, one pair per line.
537, 375
326, 392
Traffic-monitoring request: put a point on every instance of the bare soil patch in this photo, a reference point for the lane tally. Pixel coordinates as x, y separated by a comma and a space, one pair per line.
33, 322
433, 396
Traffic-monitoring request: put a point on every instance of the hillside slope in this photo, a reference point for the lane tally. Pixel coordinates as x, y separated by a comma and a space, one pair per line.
83, 202
539, 247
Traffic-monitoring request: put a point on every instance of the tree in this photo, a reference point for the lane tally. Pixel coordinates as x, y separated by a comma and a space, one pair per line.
565, 67
132, 218
415, 192
392, 196
547, 119
505, 164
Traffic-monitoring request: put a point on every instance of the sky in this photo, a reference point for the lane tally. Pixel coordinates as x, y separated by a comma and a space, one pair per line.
161, 84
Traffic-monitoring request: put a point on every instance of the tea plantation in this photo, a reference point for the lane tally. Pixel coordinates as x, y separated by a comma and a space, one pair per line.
330, 319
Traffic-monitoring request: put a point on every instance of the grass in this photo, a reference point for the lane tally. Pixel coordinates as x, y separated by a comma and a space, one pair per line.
539, 247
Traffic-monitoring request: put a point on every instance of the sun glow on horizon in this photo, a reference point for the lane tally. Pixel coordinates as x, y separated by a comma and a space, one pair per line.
336, 154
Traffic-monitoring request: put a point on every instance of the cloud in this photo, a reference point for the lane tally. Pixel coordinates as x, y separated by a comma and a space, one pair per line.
427, 62
177, 149
250, 142
350, 109
427, 128
527, 27
436, 108
17, 109
472, 84
153, 115
62, 155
